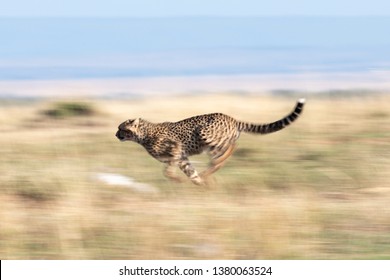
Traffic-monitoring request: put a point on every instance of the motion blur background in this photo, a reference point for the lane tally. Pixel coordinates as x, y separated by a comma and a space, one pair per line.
71, 71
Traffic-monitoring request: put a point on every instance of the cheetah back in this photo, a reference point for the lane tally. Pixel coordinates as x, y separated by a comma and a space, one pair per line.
205, 131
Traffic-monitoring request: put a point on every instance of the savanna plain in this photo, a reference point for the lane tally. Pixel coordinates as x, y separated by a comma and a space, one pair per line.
319, 189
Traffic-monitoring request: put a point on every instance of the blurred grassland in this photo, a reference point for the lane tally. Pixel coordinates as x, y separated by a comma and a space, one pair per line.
319, 189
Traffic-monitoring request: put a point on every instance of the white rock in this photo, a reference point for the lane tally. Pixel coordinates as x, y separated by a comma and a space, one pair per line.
121, 180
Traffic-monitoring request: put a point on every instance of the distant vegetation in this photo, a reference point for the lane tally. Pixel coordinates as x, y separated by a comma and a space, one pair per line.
70, 109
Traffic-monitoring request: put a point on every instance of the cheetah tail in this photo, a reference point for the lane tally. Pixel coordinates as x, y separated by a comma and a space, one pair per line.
274, 126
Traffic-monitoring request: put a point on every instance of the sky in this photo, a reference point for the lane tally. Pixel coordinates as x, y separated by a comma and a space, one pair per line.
96, 38
167, 8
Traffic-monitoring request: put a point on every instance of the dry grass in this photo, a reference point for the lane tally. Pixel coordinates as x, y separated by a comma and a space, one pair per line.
317, 190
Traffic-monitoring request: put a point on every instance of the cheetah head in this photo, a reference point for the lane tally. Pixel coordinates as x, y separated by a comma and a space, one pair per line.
128, 130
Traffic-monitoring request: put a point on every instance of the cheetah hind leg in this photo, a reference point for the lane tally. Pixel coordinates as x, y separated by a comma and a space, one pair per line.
218, 159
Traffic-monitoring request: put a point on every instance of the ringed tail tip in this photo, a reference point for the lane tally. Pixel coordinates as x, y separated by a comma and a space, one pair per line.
301, 100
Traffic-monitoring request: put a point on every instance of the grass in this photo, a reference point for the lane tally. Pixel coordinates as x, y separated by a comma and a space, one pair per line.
317, 190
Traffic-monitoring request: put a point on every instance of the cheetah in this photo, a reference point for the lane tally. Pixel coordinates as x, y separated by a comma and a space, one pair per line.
172, 143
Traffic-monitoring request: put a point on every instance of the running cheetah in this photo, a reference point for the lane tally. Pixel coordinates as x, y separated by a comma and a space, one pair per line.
173, 142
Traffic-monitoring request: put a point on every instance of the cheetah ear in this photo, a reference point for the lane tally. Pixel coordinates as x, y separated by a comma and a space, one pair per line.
136, 122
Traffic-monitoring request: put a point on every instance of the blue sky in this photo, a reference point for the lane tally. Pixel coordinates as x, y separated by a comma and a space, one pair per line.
94, 38
166, 8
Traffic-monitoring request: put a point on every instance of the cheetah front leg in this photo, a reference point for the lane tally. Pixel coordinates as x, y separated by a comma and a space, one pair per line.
186, 166
170, 173
171, 156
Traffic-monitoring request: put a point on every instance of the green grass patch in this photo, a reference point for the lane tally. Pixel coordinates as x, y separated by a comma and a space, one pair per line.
69, 109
